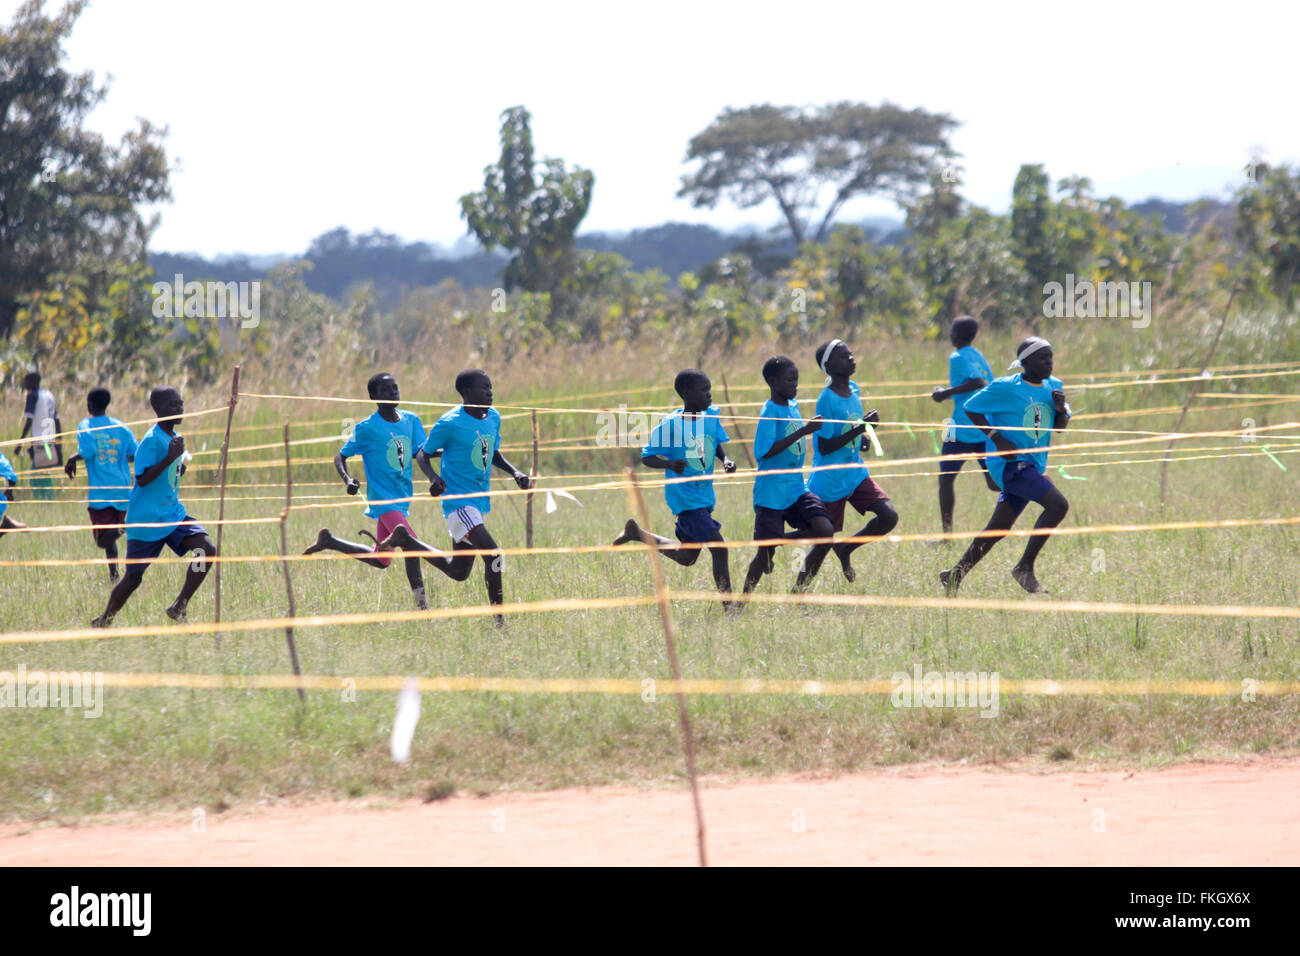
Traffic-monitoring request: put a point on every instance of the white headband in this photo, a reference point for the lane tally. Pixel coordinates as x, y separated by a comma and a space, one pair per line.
1029, 350
827, 354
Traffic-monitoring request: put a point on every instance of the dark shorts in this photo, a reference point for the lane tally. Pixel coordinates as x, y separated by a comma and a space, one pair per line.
137, 549
697, 525
1023, 483
106, 516
953, 465
862, 497
770, 523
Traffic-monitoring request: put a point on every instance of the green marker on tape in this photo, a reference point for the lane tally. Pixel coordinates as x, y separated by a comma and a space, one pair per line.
875, 442
908, 429
1061, 470
1265, 449
935, 441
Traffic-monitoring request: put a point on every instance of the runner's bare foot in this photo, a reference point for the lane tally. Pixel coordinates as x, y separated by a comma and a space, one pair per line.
1025, 578
631, 532
177, 613
323, 541
951, 580
846, 562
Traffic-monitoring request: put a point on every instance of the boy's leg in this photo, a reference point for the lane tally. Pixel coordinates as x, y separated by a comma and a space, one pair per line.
761, 565
634, 532
947, 498
131, 578
1055, 508
722, 571
456, 568
819, 527
200, 546
326, 541
1004, 516
415, 578
9, 524
769, 524
493, 564
884, 521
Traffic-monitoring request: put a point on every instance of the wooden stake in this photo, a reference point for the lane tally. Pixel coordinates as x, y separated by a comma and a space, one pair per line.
637, 503
740, 435
284, 561
221, 495
528, 510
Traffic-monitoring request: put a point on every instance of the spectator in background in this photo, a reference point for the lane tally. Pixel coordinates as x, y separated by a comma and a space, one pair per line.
41, 421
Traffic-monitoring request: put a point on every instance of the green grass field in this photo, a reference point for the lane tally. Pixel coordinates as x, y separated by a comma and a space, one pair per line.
167, 748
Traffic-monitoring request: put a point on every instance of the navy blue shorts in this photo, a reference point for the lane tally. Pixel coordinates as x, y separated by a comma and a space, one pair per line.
697, 525
770, 523
1023, 483
137, 549
953, 465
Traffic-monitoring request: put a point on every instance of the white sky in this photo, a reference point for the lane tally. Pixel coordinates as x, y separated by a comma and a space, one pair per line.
291, 118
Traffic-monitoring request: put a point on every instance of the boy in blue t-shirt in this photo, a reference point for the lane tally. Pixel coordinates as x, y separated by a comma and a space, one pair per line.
1018, 413
155, 515
687, 443
784, 498
469, 440
387, 442
839, 445
106, 446
968, 372
7, 472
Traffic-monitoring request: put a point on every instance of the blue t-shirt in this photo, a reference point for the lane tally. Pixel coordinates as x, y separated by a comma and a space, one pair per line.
837, 483
966, 363
157, 503
1011, 402
694, 440
778, 491
6, 471
387, 450
468, 445
106, 444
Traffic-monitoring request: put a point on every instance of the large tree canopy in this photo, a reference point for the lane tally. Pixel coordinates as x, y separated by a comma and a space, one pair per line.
535, 219
67, 199
805, 159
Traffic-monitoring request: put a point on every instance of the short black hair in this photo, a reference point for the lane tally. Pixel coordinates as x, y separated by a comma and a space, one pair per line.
34, 378
466, 378
686, 378
156, 395
775, 366
964, 328
372, 386
98, 398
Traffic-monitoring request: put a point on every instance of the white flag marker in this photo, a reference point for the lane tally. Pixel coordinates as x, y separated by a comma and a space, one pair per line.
408, 715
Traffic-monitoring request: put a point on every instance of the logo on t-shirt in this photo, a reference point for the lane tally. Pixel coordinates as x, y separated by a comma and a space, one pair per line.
797, 448
1037, 421
174, 474
480, 452
398, 454
700, 450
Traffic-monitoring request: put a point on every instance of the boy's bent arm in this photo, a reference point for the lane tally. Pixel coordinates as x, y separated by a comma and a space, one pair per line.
781, 444
828, 445
521, 479
1000, 441
426, 466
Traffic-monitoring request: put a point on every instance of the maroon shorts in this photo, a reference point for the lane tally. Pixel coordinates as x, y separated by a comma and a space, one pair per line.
105, 516
386, 523
862, 498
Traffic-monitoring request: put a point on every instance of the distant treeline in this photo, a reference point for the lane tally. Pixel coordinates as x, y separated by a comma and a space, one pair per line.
341, 261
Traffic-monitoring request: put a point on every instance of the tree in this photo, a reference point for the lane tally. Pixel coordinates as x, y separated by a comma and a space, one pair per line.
536, 219
67, 199
793, 156
1268, 224
1031, 226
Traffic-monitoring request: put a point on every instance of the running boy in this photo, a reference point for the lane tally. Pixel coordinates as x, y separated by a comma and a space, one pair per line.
155, 515
781, 499
1029, 405
106, 445
469, 440
839, 442
387, 443
687, 443
968, 372
7, 472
